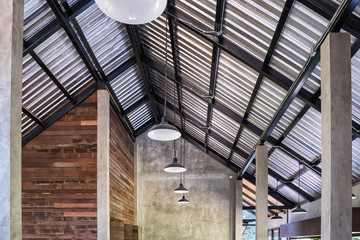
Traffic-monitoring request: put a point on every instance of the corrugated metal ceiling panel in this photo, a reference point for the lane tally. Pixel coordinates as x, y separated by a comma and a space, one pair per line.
194, 106
39, 94
355, 73
27, 125
37, 14
283, 164
305, 138
235, 83
203, 11
251, 24
140, 116
219, 147
247, 141
64, 62
356, 159
224, 125
195, 59
153, 41
128, 86
108, 39
302, 30
266, 103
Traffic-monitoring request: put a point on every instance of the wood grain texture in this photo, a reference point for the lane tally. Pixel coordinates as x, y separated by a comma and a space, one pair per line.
59, 178
121, 172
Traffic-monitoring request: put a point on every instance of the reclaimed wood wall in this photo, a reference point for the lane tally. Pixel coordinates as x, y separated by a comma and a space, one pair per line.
59, 178
121, 172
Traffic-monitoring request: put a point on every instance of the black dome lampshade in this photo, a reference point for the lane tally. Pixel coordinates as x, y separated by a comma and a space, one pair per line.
298, 210
174, 167
181, 189
183, 200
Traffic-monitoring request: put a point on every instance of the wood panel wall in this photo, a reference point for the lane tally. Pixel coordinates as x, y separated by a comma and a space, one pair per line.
59, 178
121, 172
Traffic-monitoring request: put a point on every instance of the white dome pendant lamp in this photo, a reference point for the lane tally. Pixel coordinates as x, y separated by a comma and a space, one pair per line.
164, 131
132, 11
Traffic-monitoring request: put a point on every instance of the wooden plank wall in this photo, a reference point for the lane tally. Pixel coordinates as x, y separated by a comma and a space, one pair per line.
121, 172
59, 178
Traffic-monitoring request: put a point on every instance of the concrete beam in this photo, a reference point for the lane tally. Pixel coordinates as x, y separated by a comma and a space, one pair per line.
11, 40
336, 106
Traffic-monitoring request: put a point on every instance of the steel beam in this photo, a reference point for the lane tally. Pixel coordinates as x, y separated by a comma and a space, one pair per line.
135, 43
219, 21
279, 28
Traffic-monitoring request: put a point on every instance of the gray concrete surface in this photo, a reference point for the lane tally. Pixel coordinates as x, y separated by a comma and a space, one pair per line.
239, 206
336, 212
159, 216
103, 165
261, 192
11, 38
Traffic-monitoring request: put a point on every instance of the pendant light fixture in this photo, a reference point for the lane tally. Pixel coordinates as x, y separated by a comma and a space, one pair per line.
183, 200
182, 189
276, 216
164, 131
175, 166
132, 11
353, 196
299, 209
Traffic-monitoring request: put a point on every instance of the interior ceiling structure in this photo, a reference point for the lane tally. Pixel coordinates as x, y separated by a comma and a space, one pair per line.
246, 72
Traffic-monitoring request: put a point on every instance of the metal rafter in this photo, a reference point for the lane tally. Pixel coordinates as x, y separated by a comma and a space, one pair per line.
219, 21
279, 28
335, 25
138, 51
253, 200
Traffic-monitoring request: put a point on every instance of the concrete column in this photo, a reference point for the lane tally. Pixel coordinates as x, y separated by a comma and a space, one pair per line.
11, 38
103, 166
336, 215
239, 209
232, 225
261, 192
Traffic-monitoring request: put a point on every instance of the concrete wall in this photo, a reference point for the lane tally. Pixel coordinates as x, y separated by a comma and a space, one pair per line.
313, 210
159, 216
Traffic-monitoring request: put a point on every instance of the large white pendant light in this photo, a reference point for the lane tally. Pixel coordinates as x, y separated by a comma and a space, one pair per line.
165, 131
132, 11
299, 209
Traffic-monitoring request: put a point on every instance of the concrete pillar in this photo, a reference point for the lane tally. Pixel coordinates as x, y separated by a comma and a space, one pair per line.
233, 210
103, 166
261, 192
239, 209
336, 214
11, 38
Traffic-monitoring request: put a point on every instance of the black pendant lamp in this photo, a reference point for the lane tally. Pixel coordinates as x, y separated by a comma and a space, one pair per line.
299, 209
183, 200
276, 216
182, 188
353, 196
164, 131
175, 166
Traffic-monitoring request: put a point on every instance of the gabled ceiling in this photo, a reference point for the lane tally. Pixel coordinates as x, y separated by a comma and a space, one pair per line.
241, 72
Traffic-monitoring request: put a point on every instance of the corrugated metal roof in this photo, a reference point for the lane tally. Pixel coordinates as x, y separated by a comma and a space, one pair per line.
40, 95
195, 59
140, 116
235, 83
355, 74
128, 86
266, 103
37, 14
108, 39
203, 11
251, 24
62, 59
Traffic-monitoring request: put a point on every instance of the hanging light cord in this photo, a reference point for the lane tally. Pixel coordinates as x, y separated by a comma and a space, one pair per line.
166, 62
174, 148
